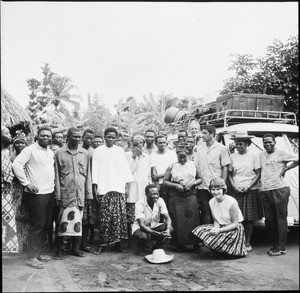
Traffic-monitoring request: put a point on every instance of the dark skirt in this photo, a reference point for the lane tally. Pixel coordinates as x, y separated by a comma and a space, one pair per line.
184, 214
230, 243
111, 218
250, 205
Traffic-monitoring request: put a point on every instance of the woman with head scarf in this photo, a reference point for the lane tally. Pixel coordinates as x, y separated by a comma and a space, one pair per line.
19, 143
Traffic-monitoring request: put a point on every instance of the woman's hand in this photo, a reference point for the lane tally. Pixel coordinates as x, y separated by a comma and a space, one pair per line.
237, 190
189, 185
179, 187
245, 189
215, 230
136, 152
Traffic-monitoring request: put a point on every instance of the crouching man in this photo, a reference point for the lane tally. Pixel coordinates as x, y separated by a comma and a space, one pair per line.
147, 215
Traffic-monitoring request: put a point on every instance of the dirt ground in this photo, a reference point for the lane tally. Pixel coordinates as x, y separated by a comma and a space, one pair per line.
113, 271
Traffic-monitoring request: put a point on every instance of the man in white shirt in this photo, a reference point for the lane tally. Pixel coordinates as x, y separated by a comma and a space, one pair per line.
211, 160
110, 173
34, 167
147, 217
160, 161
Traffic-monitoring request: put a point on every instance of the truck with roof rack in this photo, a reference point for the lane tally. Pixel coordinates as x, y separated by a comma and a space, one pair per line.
257, 114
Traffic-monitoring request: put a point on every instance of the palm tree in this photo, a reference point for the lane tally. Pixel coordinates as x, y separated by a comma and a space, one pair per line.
60, 91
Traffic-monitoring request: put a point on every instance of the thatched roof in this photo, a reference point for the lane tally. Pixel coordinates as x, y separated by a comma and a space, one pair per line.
12, 113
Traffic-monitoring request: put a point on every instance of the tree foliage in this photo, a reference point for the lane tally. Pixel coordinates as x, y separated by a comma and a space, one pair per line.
135, 117
97, 116
277, 73
50, 99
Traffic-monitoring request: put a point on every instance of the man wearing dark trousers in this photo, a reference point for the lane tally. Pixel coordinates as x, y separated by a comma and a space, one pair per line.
275, 191
211, 160
34, 167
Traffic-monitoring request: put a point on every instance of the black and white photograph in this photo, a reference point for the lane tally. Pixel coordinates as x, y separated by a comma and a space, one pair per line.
149, 146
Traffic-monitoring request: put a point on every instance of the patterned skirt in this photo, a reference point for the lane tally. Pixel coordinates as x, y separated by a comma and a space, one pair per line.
230, 243
250, 205
111, 218
130, 211
21, 214
9, 230
70, 222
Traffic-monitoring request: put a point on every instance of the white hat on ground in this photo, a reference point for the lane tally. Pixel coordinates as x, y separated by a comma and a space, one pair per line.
159, 256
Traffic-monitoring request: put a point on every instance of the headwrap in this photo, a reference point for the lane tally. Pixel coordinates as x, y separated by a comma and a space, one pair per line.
20, 136
139, 137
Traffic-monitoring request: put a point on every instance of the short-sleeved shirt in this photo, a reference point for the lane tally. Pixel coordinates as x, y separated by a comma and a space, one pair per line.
221, 211
162, 161
271, 166
243, 168
151, 216
209, 162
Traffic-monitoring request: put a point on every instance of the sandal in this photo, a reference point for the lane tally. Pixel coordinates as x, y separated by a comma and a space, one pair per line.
100, 250
44, 258
35, 264
77, 253
58, 256
275, 252
248, 247
87, 249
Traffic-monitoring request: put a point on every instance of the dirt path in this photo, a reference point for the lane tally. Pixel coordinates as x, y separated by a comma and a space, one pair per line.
112, 271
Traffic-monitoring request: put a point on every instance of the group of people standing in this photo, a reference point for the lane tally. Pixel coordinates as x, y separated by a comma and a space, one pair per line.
151, 192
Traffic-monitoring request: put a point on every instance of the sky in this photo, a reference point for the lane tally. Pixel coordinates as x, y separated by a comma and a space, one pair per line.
127, 49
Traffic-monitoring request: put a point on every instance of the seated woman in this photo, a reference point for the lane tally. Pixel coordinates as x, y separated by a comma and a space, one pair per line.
226, 235
181, 178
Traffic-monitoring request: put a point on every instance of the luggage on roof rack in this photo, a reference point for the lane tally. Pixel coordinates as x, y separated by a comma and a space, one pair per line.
233, 109
233, 116
243, 101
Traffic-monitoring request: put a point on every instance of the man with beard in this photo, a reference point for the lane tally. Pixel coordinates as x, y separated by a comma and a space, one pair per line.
34, 167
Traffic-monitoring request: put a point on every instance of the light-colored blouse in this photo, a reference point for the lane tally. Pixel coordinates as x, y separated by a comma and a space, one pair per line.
221, 210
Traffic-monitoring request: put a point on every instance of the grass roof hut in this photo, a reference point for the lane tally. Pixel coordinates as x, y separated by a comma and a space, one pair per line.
14, 117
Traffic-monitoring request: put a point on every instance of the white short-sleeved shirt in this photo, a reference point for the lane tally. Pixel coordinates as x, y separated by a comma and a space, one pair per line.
152, 217
271, 166
243, 167
209, 162
221, 211
162, 161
